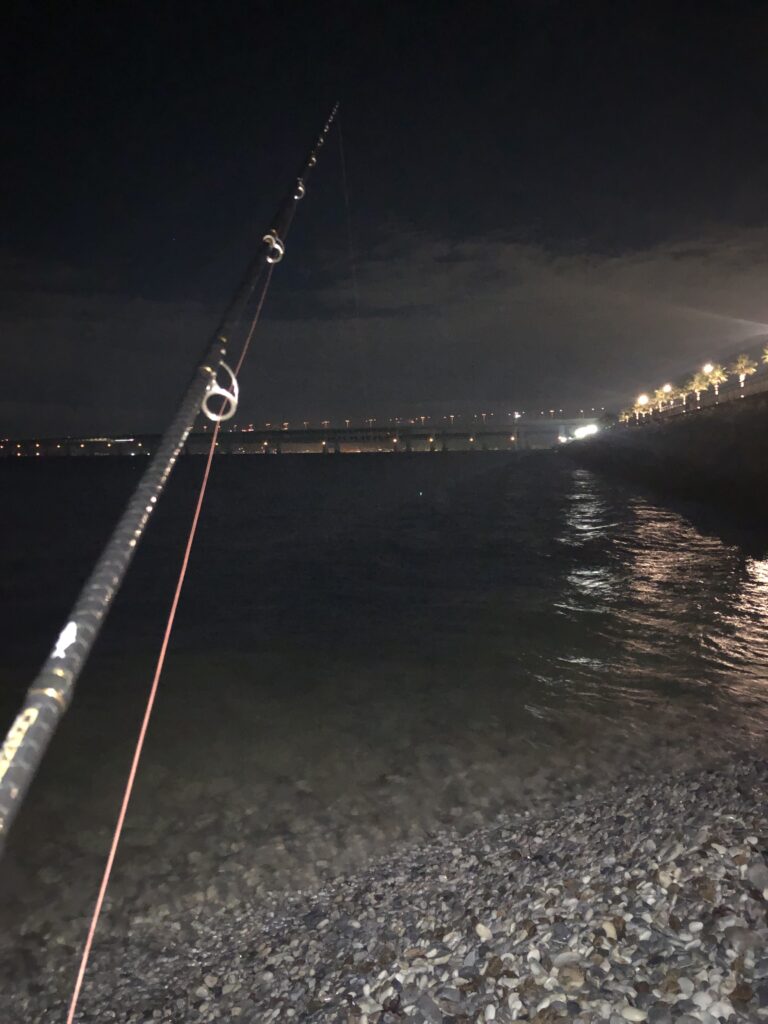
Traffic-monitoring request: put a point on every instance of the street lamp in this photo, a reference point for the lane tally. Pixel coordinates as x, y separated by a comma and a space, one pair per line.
708, 368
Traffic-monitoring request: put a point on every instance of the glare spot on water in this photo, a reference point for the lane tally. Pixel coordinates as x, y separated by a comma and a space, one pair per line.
758, 569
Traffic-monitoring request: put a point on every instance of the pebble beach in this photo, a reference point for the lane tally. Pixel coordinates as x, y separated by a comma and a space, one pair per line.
642, 900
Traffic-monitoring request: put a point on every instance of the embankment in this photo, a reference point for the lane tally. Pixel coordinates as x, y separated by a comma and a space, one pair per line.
717, 454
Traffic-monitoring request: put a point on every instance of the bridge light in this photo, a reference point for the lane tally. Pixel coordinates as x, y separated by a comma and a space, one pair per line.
585, 431
707, 367
667, 389
643, 399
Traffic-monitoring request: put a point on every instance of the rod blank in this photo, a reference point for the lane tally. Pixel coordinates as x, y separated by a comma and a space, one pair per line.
52, 690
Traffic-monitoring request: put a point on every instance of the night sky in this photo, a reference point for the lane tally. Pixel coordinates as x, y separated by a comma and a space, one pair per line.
552, 203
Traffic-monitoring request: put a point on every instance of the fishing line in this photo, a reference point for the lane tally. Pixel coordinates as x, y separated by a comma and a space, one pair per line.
363, 368
117, 834
139, 749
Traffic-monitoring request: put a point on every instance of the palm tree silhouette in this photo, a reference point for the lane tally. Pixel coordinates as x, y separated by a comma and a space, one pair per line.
699, 382
743, 367
659, 397
684, 390
717, 375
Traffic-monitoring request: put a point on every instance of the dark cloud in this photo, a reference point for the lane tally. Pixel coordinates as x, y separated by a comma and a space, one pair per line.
76, 360
490, 321
551, 202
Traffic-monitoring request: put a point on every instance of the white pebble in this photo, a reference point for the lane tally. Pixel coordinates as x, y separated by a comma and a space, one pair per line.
722, 1008
703, 999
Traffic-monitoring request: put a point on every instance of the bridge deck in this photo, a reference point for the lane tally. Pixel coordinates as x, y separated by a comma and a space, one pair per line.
532, 434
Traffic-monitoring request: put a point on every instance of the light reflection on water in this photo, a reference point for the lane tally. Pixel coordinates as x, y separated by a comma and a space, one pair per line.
666, 612
539, 603
416, 593
422, 657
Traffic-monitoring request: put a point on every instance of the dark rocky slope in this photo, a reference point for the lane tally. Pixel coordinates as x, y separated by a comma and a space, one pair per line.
718, 454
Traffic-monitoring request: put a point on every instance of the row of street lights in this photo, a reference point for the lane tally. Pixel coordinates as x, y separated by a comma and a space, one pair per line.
711, 375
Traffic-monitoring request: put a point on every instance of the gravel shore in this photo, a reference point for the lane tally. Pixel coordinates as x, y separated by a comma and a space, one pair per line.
646, 899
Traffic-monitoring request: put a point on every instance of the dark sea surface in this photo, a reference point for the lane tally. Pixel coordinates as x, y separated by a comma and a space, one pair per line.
368, 647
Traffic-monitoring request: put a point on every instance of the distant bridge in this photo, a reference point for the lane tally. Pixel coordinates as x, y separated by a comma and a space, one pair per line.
525, 435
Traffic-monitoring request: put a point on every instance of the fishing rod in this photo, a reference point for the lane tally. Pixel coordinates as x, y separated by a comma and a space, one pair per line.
52, 690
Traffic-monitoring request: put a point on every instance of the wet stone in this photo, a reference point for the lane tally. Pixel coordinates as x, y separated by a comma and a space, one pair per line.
571, 976
659, 1013
495, 967
757, 873
429, 1009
